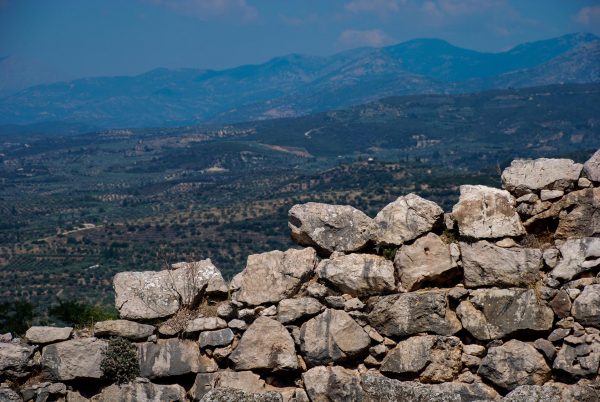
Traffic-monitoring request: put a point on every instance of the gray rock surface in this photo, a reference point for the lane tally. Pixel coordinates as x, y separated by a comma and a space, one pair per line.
43, 335
15, 358
290, 310
332, 336
405, 219
74, 359
526, 176
124, 328
411, 313
485, 264
514, 363
427, 260
586, 307
218, 337
205, 324
150, 294
273, 276
330, 228
8, 395
358, 274
245, 381
168, 357
577, 256
496, 313
266, 344
141, 390
380, 388
485, 212
576, 361
553, 393
236, 395
435, 358
332, 384
592, 167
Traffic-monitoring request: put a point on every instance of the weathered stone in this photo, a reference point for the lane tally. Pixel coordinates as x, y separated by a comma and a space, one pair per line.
43, 335
290, 310
592, 167
226, 310
474, 350
561, 304
550, 256
74, 359
317, 290
496, 313
578, 361
526, 176
546, 195
8, 395
427, 260
485, 212
124, 328
406, 219
330, 228
558, 334
141, 390
273, 276
219, 337
332, 336
237, 324
586, 308
485, 264
168, 357
358, 274
236, 395
553, 393
578, 215
577, 256
514, 363
245, 381
15, 359
380, 388
546, 347
149, 294
266, 344
205, 324
584, 183
436, 358
410, 313
353, 304
332, 384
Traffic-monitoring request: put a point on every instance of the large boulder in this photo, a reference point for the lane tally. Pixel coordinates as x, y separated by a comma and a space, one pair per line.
141, 390
380, 388
577, 361
332, 384
150, 294
427, 260
496, 313
123, 328
434, 358
332, 336
485, 264
290, 310
74, 359
405, 219
169, 357
555, 392
514, 363
330, 228
485, 212
577, 256
273, 276
358, 274
527, 176
586, 308
43, 335
411, 313
592, 167
266, 344
15, 359
578, 215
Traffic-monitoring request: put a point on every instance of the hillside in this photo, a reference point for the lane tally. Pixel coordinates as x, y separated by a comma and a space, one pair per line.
297, 85
147, 197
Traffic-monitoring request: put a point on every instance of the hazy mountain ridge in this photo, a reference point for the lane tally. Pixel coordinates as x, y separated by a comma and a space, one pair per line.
295, 84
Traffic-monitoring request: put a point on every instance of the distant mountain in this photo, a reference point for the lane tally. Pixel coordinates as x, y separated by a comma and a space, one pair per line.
18, 73
297, 85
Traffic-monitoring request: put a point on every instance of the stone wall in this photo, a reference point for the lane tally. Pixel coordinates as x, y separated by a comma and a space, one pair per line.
497, 300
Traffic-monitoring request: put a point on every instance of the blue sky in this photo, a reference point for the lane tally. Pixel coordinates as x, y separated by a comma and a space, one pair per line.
113, 37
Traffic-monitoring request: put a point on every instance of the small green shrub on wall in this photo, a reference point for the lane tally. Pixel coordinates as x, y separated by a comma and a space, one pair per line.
120, 363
